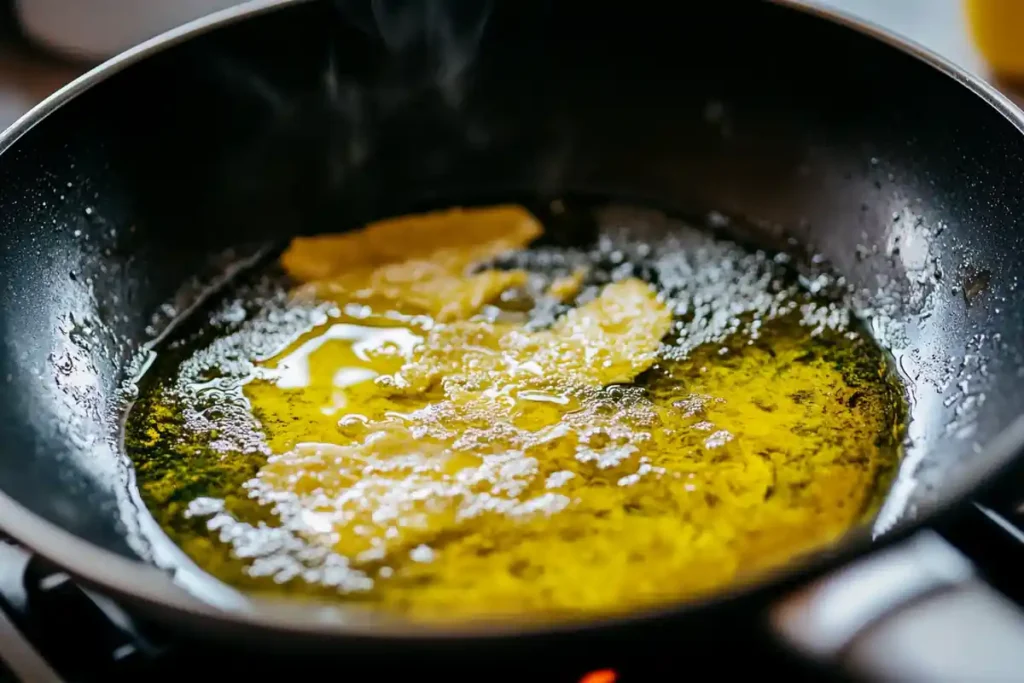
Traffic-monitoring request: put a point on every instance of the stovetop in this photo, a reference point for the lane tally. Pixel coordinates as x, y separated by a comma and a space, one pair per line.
51, 629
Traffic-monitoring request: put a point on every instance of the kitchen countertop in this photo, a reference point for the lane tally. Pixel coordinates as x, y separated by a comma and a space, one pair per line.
27, 74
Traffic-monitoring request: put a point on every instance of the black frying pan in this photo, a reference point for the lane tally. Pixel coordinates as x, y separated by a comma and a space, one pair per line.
127, 194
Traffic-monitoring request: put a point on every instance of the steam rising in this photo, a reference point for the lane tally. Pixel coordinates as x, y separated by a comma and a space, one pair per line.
433, 42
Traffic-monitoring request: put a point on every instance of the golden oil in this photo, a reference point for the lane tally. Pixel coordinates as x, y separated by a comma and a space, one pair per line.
455, 424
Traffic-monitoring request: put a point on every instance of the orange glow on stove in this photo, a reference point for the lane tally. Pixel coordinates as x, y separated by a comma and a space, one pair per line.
600, 676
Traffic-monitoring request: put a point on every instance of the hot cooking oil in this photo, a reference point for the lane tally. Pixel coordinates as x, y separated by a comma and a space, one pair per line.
439, 417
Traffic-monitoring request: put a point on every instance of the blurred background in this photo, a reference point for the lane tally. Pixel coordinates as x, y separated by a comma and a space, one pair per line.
46, 43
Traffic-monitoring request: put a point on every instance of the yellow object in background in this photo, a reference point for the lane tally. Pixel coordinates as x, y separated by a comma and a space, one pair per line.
997, 27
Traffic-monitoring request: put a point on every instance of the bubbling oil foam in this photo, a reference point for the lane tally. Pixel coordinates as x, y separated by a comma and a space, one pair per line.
458, 425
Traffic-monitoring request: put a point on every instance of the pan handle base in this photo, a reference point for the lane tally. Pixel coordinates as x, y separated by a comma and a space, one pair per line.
913, 612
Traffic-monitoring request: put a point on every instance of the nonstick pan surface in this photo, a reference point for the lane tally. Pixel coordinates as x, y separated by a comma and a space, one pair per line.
129, 194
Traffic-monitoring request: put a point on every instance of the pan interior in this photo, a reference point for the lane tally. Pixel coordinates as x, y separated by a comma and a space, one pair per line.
192, 161
724, 413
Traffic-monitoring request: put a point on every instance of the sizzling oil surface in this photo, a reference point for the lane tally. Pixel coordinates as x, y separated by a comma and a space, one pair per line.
446, 424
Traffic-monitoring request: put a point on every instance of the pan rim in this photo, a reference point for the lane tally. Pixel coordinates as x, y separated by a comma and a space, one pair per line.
135, 581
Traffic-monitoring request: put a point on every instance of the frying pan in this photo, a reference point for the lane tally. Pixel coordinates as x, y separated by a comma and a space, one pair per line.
130, 195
